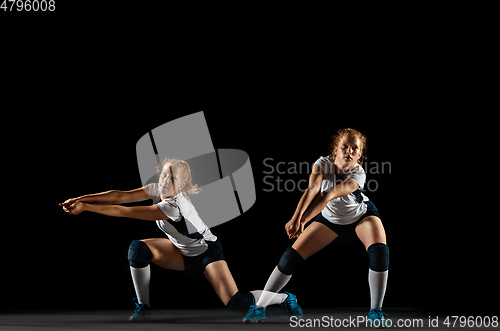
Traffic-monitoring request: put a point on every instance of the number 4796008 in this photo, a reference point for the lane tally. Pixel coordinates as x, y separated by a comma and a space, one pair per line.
28, 5
471, 321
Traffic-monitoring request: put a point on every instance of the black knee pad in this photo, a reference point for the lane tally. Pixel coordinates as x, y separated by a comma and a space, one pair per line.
290, 261
139, 254
378, 254
240, 302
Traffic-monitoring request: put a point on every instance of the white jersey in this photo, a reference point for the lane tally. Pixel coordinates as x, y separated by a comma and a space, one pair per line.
346, 209
183, 226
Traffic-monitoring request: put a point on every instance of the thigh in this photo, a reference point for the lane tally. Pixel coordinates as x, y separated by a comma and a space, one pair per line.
220, 277
165, 254
314, 238
370, 231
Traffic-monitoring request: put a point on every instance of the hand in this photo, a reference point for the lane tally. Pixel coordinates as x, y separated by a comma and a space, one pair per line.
74, 208
68, 202
293, 228
299, 231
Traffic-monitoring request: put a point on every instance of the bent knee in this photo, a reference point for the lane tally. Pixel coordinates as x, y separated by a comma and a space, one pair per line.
240, 302
139, 254
378, 255
290, 261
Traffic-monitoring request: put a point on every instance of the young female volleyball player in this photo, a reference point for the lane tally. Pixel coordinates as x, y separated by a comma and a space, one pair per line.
173, 211
332, 206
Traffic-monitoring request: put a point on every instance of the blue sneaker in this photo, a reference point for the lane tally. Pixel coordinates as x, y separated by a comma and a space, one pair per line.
142, 313
377, 318
255, 314
292, 308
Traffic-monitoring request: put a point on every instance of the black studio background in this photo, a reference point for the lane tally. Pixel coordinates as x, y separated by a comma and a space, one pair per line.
79, 262
86, 110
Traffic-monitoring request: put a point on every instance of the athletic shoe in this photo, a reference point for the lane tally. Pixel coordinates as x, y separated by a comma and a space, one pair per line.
255, 314
377, 318
142, 313
292, 308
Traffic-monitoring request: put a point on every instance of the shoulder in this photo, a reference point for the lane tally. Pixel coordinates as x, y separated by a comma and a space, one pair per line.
171, 201
178, 201
358, 169
325, 164
357, 173
324, 160
170, 208
152, 189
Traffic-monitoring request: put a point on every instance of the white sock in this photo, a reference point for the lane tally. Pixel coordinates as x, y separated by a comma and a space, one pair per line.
141, 278
278, 299
274, 284
378, 282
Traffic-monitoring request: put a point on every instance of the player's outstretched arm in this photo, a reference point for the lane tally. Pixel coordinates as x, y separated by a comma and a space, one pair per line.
293, 226
110, 197
148, 213
344, 188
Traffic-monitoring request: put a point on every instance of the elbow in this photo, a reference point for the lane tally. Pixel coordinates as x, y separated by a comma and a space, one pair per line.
147, 217
150, 213
331, 195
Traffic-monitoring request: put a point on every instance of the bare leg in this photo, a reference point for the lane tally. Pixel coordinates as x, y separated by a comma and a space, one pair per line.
314, 238
371, 231
165, 254
220, 277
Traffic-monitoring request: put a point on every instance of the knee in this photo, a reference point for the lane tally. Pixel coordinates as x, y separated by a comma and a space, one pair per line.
240, 302
378, 255
290, 261
139, 254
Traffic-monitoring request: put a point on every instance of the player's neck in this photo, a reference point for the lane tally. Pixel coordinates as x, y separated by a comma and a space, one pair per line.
342, 168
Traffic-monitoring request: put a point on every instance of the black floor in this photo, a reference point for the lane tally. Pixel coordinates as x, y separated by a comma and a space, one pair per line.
214, 319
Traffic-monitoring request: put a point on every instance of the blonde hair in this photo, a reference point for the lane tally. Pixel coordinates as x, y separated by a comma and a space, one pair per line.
182, 168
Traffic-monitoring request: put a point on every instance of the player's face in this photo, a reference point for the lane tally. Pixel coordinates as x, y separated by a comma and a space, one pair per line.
349, 151
169, 182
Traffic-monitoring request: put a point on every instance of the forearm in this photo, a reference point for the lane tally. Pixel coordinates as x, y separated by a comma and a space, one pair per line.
148, 213
108, 210
315, 180
298, 211
314, 208
306, 199
103, 198
339, 190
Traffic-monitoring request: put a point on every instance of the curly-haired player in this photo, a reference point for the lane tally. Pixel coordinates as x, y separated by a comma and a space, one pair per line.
197, 251
332, 206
